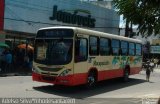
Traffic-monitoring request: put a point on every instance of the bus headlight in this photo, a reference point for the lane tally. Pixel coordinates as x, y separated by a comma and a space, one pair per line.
34, 69
65, 72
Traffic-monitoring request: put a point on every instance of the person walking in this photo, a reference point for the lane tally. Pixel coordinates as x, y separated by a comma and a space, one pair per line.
30, 63
155, 63
148, 72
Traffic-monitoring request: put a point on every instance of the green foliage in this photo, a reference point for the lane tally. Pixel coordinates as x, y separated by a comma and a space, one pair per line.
144, 13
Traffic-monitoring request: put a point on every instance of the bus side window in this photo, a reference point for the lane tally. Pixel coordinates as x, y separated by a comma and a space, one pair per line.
124, 48
138, 49
115, 46
104, 47
131, 49
81, 52
93, 45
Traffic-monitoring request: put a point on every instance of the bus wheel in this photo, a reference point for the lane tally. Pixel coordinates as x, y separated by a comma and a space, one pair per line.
126, 75
91, 79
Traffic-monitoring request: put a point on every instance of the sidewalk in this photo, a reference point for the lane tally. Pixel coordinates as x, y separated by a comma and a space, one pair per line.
157, 70
17, 72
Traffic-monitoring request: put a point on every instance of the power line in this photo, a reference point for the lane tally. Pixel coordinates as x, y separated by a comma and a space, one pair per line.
36, 22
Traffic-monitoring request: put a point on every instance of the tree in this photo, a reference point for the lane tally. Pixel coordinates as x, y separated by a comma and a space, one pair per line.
144, 13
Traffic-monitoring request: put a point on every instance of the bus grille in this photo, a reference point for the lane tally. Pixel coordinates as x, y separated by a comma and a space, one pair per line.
48, 78
50, 69
51, 74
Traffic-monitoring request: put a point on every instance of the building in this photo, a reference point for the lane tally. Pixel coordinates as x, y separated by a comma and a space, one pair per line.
155, 48
20, 19
102, 3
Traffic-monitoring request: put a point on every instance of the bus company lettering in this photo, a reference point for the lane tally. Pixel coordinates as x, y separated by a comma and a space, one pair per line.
95, 63
73, 18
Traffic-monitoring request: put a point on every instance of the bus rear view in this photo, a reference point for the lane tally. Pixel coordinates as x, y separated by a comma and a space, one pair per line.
53, 56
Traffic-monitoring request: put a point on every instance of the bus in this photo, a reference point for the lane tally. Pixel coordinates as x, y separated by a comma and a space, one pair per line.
73, 56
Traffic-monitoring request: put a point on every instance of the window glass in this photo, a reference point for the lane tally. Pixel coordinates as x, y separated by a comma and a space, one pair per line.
48, 49
93, 44
104, 46
138, 46
124, 44
124, 48
131, 46
115, 47
115, 43
131, 49
124, 51
81, 50
115, 51
138, 49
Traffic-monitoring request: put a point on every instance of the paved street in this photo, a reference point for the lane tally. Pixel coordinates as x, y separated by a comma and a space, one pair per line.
137, 87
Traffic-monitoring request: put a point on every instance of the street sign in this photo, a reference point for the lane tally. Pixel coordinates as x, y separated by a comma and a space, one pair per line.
155, 49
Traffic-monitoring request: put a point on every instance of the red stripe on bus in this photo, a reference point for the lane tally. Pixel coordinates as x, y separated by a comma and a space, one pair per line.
109, 74
81, 78
1, 14
135, 70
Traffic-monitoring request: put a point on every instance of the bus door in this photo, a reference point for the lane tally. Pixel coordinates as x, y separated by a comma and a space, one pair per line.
81, 56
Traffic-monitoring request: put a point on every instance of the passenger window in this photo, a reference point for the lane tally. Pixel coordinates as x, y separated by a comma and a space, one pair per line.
81, 48
115, 47
104, 46
124, 48
131, 49
93, 45
138, 49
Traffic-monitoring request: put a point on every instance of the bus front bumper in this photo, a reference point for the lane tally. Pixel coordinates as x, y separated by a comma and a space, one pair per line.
56, 80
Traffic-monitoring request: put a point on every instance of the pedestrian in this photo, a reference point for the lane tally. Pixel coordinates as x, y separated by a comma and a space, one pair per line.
155, 62
148, 72
2, 59
20, 56
151, 66
8, 60
30, 56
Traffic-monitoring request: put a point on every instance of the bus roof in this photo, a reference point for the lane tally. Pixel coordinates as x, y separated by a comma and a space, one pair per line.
95, 33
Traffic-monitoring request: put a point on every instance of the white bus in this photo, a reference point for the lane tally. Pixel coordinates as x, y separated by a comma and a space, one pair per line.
74, 56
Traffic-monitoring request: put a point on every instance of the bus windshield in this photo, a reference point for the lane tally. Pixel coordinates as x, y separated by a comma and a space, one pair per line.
53, 51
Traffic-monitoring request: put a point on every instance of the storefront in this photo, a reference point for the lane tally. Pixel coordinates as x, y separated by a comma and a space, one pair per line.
21, 19
155, 48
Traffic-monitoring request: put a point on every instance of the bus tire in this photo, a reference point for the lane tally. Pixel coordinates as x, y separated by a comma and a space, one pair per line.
126, 75
91, 79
